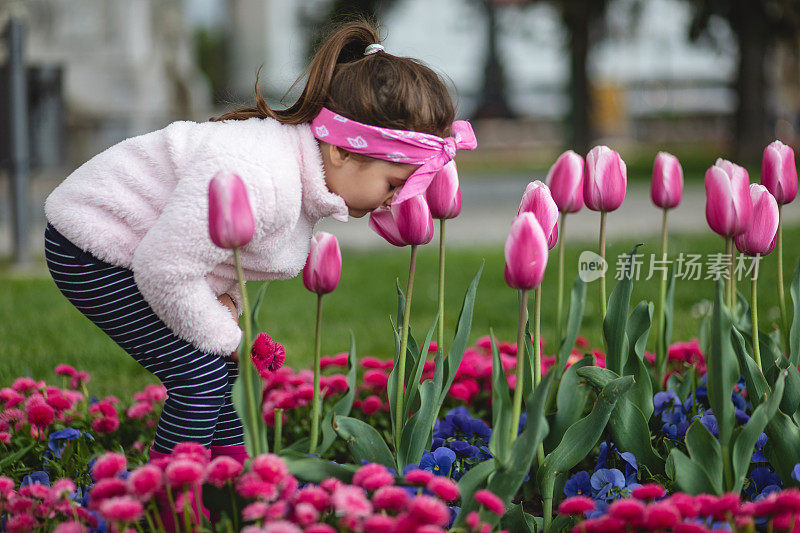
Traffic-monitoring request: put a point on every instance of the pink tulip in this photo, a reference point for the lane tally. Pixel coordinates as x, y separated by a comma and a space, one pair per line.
565, 180
539, 201
779, 173
728, 205
525, 252
759, 237
444, 194
605, 179
667, 186
230, 218
404, 224
323, 265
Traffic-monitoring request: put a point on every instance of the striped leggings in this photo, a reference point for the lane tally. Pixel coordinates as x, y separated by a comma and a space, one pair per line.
198, 407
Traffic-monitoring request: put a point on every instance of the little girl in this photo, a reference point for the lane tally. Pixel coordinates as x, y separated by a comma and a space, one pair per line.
127, 239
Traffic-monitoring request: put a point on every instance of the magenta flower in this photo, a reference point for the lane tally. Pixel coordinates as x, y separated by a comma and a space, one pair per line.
193, 451
230, 217
565, 181
490, 501
404, 224
222, 470
182, 472
351, 501
373, 476
78, 379
525, 253
429, 510
444, 194
728, 205
605, 179
418, 477
250, 485
576, 505
779, 172
71, 527
759, 238
305, 514
390, 498
324, 264
109, 465
26, 384
444, 488
145, 480
375, 379
267, 355
649, 491
106, 488
255, 511
38, 412
380, 523
661, 515
65, 370
270, 468
121, 509
538, 200
666, 188
627, 510
316, 496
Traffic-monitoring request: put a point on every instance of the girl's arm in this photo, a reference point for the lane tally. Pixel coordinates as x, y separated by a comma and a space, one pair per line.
173, 258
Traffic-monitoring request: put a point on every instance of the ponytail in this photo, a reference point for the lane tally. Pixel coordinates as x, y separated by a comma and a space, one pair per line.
378, 89
346, 43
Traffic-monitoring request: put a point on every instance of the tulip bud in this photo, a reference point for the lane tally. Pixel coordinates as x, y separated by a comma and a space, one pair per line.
324, 264
759, 237
779, 172
728, 205
605, 179
526, 253
404, 224
565, 180
230, 218
538, 200
444, 194
667, 186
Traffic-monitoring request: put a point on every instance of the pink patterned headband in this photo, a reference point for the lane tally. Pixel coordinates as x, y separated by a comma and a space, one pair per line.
400, 146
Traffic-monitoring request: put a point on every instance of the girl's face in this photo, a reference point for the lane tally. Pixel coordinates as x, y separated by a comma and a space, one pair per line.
363, 184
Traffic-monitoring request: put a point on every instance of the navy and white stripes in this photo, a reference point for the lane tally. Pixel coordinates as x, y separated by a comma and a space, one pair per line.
199, 406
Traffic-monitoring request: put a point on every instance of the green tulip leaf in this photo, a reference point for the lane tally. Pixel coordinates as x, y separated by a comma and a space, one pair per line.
363, 441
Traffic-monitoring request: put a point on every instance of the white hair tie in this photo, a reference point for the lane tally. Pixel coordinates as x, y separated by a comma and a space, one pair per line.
373, 48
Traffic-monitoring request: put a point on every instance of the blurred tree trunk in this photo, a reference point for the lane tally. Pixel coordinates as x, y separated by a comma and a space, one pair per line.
493, 99
752, 113
579, 128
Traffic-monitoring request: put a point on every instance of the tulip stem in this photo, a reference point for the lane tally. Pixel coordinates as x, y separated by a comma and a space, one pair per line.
517, 407
537, 347
728, 287
661, 345
277, 445
312, 447
401, 357
253, 397
560, 301
754, 317
603, 276
733, 283
440, 338
781, 295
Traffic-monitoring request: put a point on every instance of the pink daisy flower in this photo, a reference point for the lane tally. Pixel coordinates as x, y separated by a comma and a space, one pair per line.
222, 470
576, 505
145, 480
109, 465
121, 509
182, 472
70, 527
281, 527
429, 510
444, 488
270, 468
65, 370
316, 496
373, 476
490, 501
251, 485
267, 355
305, 514
351, 501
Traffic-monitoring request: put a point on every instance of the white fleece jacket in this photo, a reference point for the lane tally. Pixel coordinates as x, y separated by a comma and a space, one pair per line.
143, 205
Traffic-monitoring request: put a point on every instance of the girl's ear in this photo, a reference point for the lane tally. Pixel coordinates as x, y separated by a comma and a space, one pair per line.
339, 156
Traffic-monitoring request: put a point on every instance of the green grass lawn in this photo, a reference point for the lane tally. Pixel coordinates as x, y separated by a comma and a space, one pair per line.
40, 329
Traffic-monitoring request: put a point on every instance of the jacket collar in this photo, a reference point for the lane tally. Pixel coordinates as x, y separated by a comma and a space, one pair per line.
318, 201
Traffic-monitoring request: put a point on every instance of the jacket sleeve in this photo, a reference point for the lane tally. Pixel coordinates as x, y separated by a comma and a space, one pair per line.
172, 260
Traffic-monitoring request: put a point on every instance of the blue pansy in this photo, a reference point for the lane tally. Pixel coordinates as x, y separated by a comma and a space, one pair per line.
600, 508
39, 477
464, 449
522, 419
454, 510
578, 485
760, 479
796, 472
439, 461
710, 422
605, 480
665, 403
58, 440
758, 452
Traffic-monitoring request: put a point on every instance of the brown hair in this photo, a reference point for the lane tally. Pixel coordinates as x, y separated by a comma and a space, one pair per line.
379, 89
